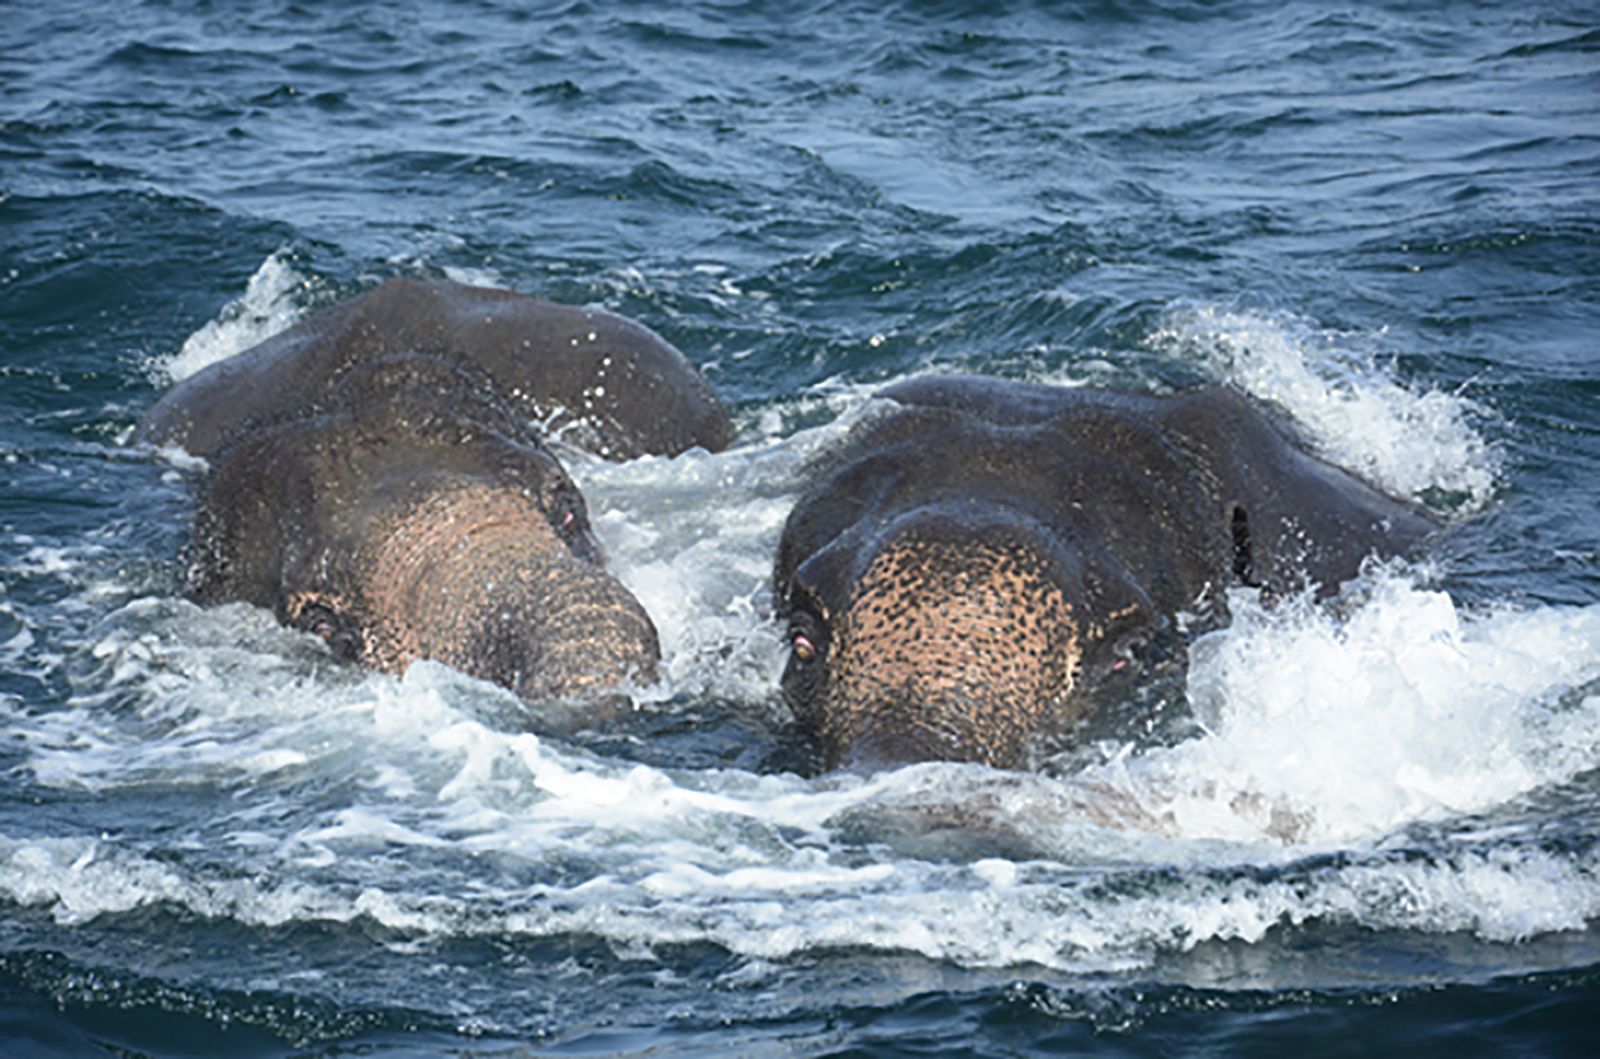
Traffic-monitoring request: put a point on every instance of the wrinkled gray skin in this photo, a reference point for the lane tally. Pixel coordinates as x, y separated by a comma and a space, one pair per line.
980, 565
376, 478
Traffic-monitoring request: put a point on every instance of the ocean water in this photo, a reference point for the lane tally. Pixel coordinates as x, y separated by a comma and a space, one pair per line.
1366, 828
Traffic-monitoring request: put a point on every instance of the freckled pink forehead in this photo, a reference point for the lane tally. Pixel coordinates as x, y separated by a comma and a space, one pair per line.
975, 637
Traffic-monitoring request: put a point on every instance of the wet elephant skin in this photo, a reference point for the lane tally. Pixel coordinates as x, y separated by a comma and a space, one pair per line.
376, 478
976, 564
614, 386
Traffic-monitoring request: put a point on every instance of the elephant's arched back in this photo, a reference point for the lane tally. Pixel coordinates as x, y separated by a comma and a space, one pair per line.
1285, 517
273, 380
622, 389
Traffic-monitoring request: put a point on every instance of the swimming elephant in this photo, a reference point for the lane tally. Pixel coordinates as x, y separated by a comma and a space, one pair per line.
378, 477
986, 560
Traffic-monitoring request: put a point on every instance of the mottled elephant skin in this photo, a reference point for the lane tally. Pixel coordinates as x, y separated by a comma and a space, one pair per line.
377, 478
977, 564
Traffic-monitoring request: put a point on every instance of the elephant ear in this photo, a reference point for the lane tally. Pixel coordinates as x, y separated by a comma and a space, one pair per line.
1294, 520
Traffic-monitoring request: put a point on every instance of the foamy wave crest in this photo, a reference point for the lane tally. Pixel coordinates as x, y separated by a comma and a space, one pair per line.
1329, 728
438, 806
1351, 409
744, 863
271, 302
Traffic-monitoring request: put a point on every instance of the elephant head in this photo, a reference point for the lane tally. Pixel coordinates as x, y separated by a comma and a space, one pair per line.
953, 631
411, 516
990, 561
376, 478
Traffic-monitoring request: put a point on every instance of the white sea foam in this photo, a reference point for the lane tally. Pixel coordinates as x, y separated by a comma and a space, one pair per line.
1330, 729
1348, 405
673, 869
272, 301
693, 538
1324, 730
474, 277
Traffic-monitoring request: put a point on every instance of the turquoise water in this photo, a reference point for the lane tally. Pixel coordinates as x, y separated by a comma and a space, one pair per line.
1363, 829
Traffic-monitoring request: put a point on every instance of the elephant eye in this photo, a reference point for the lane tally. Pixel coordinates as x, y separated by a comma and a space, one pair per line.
565, 512
1142, 650
333, 628
319, 620
807, 635
1129, 651
804, 649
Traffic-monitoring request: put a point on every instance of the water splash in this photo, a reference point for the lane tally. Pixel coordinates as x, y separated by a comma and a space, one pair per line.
1329, 728
693, 538
345, 796
1325, 731
271, 302
1352, 410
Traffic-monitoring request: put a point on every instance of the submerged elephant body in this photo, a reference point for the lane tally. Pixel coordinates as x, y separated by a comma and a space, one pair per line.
376, 478
976, 564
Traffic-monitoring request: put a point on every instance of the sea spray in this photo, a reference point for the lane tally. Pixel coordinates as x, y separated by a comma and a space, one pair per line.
434, 807
1418, 443
1325, 726
274, 299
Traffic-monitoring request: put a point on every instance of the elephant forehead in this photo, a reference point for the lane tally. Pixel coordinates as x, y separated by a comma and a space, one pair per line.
951, 650
952, 613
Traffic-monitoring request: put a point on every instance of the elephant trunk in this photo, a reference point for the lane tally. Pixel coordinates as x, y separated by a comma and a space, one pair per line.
479, 579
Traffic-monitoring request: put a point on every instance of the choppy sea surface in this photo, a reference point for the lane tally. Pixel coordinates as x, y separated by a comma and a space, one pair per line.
1366, 828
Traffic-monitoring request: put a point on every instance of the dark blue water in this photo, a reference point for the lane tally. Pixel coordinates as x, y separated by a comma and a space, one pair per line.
1367, 829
